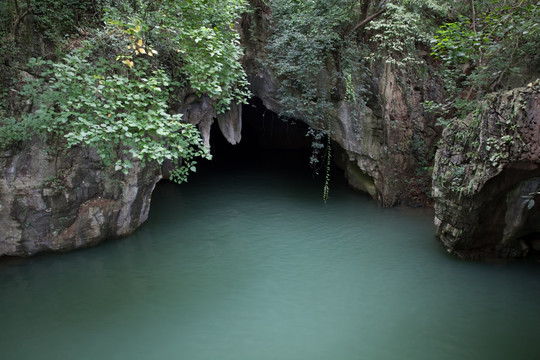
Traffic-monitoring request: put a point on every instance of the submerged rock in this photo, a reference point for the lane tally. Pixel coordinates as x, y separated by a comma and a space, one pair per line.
67, 199
486, 180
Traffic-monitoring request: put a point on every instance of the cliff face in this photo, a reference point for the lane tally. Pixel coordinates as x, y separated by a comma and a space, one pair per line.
385, 145
486, 180
61, 201
54, 200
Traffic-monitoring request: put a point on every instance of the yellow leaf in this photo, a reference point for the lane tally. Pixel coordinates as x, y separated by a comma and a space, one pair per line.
139, 42
141, 50
137, 28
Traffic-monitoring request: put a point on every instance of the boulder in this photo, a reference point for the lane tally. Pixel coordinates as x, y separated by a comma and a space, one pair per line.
486, 178
58, 200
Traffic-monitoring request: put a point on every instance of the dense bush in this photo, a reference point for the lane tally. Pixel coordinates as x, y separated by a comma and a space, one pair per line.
491, 45
110, 85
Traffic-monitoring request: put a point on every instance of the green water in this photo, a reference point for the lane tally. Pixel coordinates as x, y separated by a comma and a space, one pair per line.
246, 263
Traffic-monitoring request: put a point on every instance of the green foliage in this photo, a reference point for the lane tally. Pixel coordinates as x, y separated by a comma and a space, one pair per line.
306, 38
323, 52
486, 50
12, 130
402, 28
317, 64
457, 44
111, 87
119, 111
5, 17
316, 43
57, 19
52, 18
197, 39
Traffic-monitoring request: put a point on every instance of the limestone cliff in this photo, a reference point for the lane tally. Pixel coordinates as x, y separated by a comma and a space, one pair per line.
59, 201
486, 180
385, 144
53, 199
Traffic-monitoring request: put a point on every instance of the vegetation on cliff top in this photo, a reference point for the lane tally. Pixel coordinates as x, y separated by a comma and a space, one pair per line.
480, 46
343, 39
112, 79
488, 46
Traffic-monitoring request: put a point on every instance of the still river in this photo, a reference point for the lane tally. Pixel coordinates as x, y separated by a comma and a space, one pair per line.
247, 263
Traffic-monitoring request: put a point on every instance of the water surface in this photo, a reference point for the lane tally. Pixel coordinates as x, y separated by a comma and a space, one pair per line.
247, 263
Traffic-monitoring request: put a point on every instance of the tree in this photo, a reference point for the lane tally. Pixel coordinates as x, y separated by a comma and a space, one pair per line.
197, 40
490, 46
111, 86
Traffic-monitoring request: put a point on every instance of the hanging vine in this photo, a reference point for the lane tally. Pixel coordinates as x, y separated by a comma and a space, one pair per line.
326, 189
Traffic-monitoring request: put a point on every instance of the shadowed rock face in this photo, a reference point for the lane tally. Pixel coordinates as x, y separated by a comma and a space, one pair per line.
59, 202
487, 179
384, 141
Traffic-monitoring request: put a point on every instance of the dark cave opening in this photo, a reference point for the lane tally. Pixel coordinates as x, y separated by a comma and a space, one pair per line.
511, 215
267, 140
269, 143
531, 228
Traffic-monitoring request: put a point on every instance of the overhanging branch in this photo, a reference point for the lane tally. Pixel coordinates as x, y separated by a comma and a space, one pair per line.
367, 20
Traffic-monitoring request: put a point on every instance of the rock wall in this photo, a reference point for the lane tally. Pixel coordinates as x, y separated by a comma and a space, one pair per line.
199, 111
384, 142
486, 179
59, 201
54, 200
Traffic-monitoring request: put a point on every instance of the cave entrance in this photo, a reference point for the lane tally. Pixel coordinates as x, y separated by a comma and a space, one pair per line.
530, 212
266, 141
512, 211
